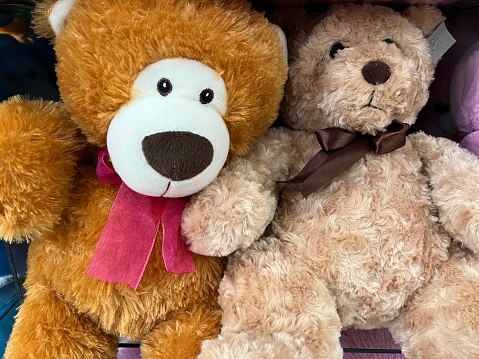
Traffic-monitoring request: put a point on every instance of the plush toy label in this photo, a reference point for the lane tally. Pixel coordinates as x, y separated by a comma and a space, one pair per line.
127, 241
440, 41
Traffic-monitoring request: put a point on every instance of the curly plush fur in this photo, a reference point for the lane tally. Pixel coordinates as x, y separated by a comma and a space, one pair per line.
391, 242
50, 194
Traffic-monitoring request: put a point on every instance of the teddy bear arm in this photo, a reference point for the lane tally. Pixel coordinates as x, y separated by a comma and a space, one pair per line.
38, 147
442, 319
47, 327
235, 209
454, 178
181, 335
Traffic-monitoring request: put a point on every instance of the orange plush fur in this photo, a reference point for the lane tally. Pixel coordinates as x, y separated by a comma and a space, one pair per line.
49, 190
392, 241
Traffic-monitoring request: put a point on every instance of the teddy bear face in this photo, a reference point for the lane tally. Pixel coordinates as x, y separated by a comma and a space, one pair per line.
180, 91
173, 90
360, 68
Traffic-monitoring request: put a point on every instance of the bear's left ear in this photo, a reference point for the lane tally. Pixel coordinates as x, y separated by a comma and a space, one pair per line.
427, 18
49, 17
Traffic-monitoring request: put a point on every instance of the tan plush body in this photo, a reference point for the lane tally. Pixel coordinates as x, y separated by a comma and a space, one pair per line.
390, 242
50, 192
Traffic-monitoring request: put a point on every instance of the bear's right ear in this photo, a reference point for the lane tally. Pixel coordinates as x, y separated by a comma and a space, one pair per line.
49, 17
426, 17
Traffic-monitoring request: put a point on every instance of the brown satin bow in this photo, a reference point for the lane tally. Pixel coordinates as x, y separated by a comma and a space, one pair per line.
340, 149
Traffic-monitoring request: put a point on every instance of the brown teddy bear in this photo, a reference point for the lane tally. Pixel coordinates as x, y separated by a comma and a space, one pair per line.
373, 227
165, 92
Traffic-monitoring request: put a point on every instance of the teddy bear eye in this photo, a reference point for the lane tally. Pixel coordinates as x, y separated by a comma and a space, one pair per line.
206, 96
335, 48
164, 87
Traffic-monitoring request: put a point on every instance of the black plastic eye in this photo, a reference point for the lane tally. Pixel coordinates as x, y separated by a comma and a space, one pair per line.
389, 41
335, 48
206, 96
164, 87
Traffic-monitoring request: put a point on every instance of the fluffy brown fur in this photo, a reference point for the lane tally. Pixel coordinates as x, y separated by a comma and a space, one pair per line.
48, 194
35, 186
378, 245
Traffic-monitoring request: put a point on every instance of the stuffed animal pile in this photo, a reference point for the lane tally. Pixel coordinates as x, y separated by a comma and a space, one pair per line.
163, 93
370, 227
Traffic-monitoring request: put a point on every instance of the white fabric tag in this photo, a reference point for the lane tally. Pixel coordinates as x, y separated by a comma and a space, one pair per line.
440, 41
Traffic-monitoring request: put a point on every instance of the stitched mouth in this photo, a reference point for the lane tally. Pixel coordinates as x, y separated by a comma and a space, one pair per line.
375, 107
167, 188
370, 103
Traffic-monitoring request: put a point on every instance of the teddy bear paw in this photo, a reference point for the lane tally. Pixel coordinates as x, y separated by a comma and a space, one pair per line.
229, 214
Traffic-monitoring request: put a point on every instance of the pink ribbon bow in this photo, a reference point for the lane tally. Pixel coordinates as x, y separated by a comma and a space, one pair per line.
125, 245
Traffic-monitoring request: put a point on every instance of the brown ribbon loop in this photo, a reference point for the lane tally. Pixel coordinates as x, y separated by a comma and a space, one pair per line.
340, 149
392, 139
335, 138
331, 140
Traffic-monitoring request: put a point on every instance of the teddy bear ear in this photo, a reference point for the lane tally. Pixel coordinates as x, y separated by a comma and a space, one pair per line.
49, 17
284, 42
426, 17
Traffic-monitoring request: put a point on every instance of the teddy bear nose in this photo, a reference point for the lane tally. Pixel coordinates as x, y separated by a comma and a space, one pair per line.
376, 72
177, 155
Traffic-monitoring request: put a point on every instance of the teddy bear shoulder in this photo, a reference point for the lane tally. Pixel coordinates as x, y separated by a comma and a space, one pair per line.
376, 189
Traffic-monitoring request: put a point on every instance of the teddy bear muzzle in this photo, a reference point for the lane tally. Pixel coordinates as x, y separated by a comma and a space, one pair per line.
170, 139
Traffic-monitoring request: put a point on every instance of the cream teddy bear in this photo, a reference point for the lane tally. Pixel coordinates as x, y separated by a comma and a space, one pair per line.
161, 92
370, 227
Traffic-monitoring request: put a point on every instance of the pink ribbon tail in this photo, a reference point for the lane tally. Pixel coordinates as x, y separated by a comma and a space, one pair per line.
176, 255
125, 246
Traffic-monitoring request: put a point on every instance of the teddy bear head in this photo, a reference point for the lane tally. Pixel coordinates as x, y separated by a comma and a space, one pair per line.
359, 67
170, 88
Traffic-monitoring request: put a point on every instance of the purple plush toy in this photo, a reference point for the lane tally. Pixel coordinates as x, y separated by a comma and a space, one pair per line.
464, 94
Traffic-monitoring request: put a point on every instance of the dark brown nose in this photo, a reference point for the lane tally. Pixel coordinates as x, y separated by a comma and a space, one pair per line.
376, 72
177, 155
